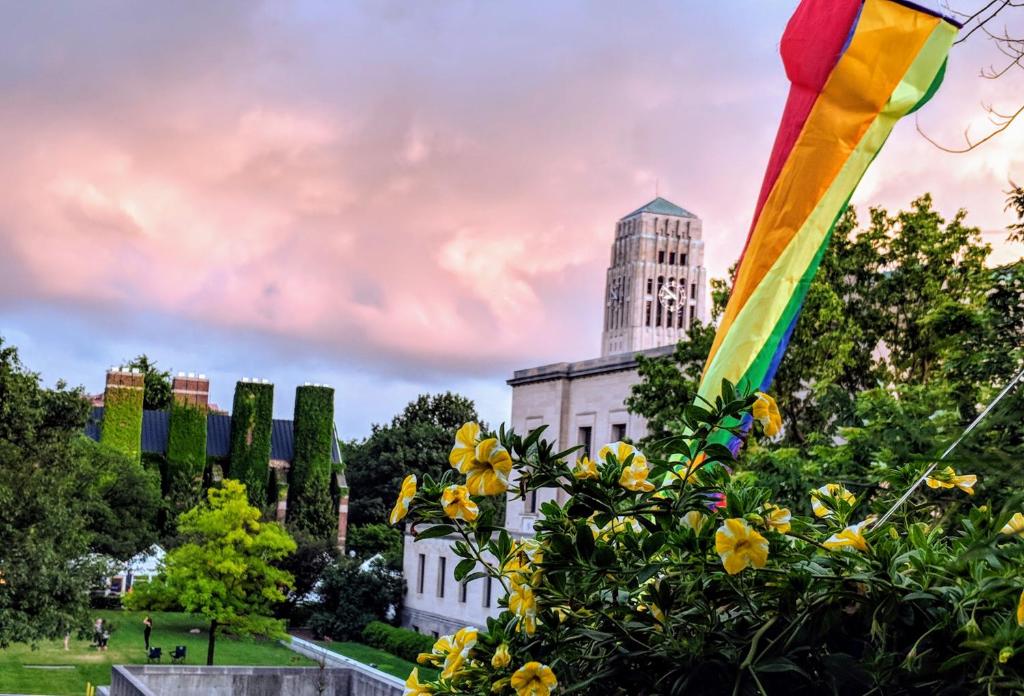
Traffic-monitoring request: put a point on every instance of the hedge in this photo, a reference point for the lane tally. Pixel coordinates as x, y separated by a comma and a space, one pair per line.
400, 642
251, 420
186, 455
122, 420
310, 507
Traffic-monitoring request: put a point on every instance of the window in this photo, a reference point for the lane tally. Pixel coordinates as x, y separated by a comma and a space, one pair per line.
657, 310
682, 259
693, 290
441, 563
531, 502
661, 256
584, 439
647, 313
487, 593
463, 585
419, 573
416, 628
672, 258
650, 285
693, 308
618, 432
434, 633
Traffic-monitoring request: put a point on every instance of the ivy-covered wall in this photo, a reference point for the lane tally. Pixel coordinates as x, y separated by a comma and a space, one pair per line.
310, 507
186, 455
122, 420
251, 419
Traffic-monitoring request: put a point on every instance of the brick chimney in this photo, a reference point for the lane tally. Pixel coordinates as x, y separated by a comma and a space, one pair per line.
191, 389
130, 378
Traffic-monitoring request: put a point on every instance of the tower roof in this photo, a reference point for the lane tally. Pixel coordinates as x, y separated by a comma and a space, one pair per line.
662, 207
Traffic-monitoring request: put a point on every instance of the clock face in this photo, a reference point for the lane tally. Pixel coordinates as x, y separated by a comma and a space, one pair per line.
668, 296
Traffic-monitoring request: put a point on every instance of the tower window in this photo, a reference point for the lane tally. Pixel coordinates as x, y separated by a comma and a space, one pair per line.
682, 259
692, 310
672, 258
650, 285
661, 257
693, 290
647, 314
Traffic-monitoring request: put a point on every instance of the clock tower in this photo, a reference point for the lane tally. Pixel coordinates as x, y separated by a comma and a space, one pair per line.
655, 286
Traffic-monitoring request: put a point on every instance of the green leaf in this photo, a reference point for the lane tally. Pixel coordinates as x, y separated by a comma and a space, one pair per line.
464, 568
435, 532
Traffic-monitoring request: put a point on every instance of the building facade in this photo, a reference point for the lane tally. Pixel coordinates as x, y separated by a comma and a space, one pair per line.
655, 290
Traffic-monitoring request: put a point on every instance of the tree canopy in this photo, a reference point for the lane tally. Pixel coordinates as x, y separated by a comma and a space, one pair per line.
417, 440
225, 569
65, 503
157, 392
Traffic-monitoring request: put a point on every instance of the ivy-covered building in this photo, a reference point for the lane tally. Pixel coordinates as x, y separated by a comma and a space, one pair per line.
292, 468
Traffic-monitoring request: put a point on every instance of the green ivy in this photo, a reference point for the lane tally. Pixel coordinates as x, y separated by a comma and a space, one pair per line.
251, 418
186, 456
310, 506
122, 420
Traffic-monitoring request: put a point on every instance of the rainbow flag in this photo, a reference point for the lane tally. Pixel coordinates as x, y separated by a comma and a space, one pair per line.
856, 68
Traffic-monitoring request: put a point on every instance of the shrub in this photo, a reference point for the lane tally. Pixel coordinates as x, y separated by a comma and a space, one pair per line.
669, 575
186, 456
400, 642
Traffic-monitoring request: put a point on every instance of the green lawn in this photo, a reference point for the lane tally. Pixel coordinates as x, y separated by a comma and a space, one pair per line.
384, 661
48, 669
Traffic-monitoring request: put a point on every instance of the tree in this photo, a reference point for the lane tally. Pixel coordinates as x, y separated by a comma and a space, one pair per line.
353, 596
368, 540
225, 568
306, 564
1015, 202
418, 440
157, 392
63, 501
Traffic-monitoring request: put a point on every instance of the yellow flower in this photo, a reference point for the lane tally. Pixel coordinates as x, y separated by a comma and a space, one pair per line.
766, 412
621, 452
501, 657
695, 520
461, 643
829, 490
405, 497
1020, 610
740, 545
634, 476
852, 536
438, 653
948, 478
585, 469
523, 604
1005, 654
413, 686
777, 518
458, 505
466, 438
534, 679
1015, 526
489, 469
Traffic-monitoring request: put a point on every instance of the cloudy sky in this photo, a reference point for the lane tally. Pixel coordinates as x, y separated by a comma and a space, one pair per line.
393, 197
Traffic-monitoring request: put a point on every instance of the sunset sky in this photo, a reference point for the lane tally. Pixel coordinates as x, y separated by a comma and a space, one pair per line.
395, 197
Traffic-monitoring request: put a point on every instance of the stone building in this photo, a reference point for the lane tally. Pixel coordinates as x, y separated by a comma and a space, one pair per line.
655, 290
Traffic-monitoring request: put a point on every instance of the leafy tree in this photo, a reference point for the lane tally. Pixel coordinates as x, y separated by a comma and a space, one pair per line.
417, 440
1015, 202
368, 540
157, 392
225, 569
63, 501
306, 564
353, 596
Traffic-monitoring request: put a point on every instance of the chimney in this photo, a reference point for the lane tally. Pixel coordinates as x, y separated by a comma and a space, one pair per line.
123, 377
191, 389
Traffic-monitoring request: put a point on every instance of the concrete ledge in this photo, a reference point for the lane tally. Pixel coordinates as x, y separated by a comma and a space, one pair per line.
586, 368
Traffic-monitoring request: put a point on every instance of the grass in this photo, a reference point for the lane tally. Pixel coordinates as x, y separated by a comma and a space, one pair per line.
48, 669
384, 661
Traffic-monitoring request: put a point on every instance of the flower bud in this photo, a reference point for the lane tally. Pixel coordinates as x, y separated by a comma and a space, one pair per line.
1005, 654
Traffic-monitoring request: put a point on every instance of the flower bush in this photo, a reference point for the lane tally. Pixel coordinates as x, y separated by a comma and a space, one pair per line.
666, 574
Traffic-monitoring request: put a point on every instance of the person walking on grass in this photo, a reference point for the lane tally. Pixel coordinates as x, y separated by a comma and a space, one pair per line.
147, 631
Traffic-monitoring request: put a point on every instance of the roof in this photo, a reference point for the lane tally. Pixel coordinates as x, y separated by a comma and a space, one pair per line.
660, 206
155, 425
586, 368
